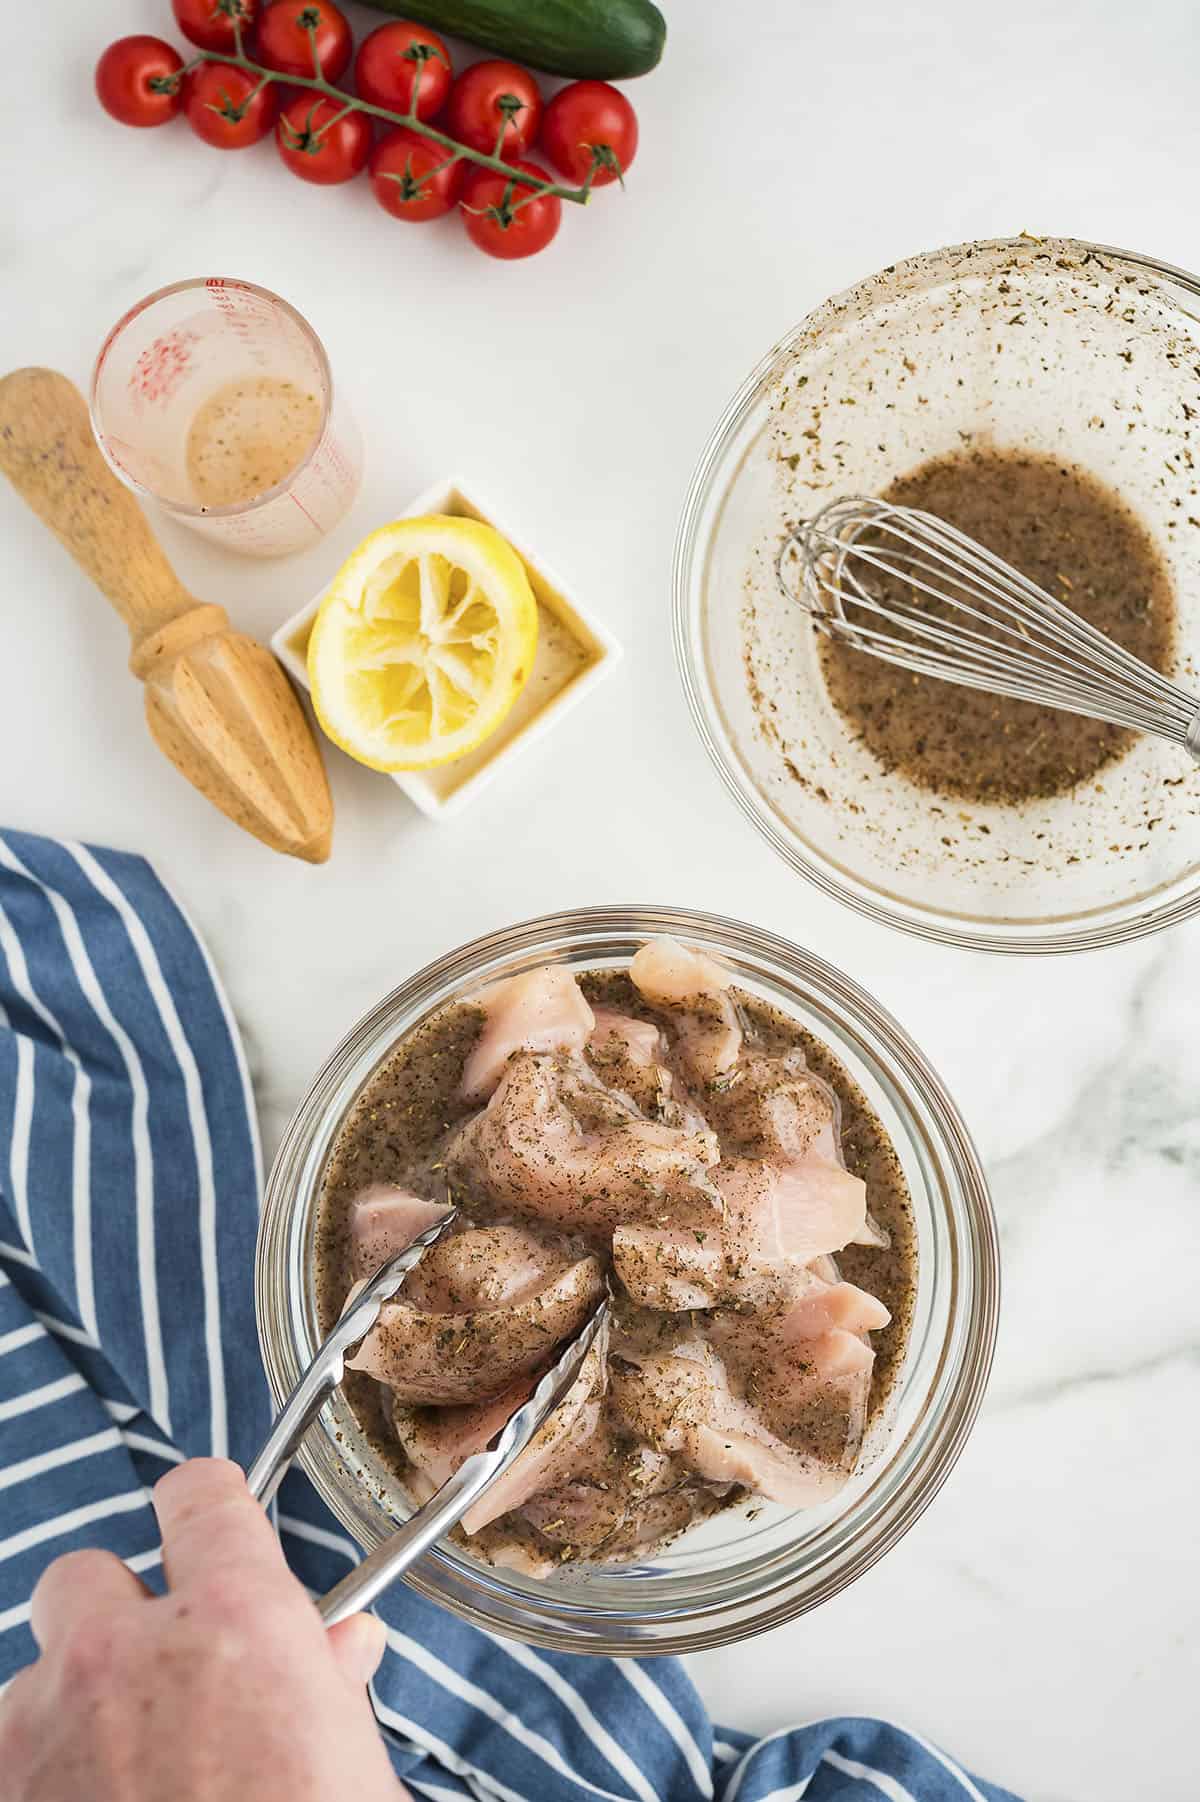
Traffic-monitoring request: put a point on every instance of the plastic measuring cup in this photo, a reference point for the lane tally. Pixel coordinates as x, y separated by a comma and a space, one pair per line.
178, 348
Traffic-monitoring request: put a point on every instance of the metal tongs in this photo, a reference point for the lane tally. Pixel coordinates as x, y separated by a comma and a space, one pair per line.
424, 1528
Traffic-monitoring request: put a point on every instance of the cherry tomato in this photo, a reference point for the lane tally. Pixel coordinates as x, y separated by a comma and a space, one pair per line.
226, 107
137, 81
492, 97
317, 144
590, 124
389, 60
283, 40
209, 23
414, 179
501, 219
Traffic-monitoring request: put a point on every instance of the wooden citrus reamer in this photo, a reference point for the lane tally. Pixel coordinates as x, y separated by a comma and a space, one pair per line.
217, 703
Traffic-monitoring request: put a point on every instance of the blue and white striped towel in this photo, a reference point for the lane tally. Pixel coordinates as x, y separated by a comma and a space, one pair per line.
129, 1179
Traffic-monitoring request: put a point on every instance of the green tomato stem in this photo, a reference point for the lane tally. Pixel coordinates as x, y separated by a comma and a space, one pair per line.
351, 103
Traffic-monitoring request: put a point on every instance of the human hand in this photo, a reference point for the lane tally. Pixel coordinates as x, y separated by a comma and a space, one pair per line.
228, 1687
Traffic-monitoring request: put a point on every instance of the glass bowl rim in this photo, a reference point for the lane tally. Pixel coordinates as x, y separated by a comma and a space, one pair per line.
1117, 925
968, 1341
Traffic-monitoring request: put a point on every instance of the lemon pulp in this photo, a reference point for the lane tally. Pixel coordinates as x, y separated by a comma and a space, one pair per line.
423, 643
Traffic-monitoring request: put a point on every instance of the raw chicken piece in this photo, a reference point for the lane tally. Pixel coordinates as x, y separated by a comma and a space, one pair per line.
834, 1356
384, 1220
485, 1267
555, 1144
542, 1010
437, 1442
807, 1369
665, 1514
696, 989
824, 1307
633, 1057
778, 1218
634, 1495
435, 1358
776, 1108
785, 1362
673, 1266
786, 1190
762, 1464
670, 975
622, 1037
514, 1554
578, 1513
871, 1233
750, 1234
552, 1453
681, 1402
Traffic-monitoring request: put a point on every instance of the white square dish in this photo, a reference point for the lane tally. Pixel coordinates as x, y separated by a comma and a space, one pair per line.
567, 636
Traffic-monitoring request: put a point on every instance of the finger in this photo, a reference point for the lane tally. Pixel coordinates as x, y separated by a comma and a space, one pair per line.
357, 1645
211, 1524
78, 1585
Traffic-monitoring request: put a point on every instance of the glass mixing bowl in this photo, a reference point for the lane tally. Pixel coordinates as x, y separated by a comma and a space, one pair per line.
1084, 354
731, 1576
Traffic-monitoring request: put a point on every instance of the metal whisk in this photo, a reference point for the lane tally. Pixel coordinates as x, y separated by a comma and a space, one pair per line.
866, 572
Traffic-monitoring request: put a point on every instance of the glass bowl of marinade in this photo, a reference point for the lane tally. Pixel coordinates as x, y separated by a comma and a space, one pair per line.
1040, 393
752, 1565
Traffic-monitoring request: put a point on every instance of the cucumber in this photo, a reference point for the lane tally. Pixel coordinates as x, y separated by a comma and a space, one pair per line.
609, 39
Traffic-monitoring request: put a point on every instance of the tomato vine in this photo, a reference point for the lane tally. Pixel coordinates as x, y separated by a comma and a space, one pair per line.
344, 103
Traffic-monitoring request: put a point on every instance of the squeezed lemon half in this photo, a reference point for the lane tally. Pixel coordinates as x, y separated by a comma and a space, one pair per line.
423, 643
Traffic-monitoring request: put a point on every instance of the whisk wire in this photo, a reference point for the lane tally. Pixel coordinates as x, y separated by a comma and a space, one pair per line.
990, 628
1090, 704
1031, 603
974, 655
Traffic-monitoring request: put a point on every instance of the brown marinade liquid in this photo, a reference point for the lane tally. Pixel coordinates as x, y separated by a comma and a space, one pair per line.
395, 1133
247, 436
1076, 539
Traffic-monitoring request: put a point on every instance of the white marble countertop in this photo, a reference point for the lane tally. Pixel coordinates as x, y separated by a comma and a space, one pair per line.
1043, 1619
